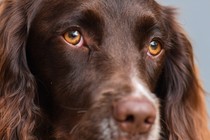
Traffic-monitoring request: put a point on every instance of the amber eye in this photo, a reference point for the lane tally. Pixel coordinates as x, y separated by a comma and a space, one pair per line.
74, 38
155, 47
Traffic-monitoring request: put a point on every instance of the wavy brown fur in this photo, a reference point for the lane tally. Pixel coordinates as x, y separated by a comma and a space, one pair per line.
18, 112
185, 109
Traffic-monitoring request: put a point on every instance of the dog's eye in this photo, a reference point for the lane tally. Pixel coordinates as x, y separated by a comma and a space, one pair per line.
155, 47
74, 38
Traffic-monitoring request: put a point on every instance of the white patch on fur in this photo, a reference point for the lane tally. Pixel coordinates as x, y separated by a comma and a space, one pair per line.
108, 127
110, 130
141, 90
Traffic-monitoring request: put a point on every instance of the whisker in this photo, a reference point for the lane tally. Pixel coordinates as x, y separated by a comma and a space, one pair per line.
73, 109
81, 111
74, 128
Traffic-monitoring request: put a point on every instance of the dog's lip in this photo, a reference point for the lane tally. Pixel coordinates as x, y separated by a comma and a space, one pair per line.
123, 138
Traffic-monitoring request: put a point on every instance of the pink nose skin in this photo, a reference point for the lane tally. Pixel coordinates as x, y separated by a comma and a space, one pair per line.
134, 115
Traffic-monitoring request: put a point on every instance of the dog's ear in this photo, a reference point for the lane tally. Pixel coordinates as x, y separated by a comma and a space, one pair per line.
18, 111
183, 98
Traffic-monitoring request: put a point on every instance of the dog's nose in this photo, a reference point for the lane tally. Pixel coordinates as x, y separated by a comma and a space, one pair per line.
134, 116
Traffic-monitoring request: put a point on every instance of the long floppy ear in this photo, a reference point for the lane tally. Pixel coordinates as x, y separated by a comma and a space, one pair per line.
18, 112
184, 110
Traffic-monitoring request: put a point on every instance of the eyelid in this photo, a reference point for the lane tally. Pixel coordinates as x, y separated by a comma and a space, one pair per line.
157, 38
72, 28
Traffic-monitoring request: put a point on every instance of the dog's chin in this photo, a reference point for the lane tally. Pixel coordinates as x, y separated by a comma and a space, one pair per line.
110, 130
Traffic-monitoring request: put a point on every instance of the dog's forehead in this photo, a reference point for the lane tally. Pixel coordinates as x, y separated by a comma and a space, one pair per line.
111, 8
119, 6
122, 9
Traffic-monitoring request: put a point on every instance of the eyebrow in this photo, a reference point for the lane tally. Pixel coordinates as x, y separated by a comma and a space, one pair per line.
146, 24
87, 19
90, 18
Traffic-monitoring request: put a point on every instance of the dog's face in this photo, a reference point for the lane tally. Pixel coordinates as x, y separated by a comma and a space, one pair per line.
97, 63
97, 70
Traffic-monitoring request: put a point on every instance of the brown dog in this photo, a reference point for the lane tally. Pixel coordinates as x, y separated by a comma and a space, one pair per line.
97, 70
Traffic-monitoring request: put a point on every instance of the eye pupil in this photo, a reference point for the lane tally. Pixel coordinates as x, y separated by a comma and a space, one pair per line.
154, 45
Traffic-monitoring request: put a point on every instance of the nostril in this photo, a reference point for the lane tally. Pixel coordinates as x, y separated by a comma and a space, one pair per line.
149, 120
130, 119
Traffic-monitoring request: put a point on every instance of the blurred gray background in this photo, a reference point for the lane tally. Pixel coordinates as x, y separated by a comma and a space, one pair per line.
194, 16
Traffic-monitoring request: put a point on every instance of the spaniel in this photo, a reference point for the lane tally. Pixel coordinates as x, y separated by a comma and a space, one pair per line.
97, 70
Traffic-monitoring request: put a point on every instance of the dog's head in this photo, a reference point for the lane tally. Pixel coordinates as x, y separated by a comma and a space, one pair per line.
101, 69
101, 60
